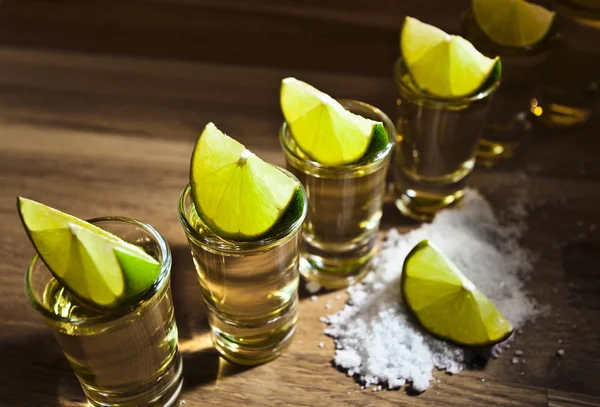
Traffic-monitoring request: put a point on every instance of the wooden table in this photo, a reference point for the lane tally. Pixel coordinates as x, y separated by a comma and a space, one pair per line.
100, 104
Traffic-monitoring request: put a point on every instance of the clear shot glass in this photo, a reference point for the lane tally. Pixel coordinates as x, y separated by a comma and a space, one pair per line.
127, 357
344, 207
250, 288
509, 121
435, 146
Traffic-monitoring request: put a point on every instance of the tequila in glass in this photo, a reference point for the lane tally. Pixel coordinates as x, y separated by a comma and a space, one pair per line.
250, 288
127, 357
344, 207
435, 147
570, 82
508, 121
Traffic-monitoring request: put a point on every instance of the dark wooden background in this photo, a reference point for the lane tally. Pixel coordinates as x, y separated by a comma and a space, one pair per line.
101, 102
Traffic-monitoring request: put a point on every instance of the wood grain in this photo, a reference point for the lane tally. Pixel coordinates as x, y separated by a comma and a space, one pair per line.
100, 104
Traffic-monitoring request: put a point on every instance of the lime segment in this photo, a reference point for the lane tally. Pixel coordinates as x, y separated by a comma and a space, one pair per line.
238, 195
513, 23
323, 129
444, 65
446, 303
96, 266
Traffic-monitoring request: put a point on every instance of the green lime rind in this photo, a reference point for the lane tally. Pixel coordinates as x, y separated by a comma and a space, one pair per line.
379, 142
237, 196
480, 325
291, 215
95, 266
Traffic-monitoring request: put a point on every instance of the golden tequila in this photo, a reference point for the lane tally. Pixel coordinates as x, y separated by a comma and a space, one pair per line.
127, 357
344, 207
250, 288
436, 144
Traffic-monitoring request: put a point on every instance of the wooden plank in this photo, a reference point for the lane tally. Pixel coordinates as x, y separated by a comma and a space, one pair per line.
562, 399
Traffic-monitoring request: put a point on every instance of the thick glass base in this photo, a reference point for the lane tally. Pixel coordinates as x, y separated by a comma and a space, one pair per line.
334, 266
500, 141
161, 392
423, 206
254, 342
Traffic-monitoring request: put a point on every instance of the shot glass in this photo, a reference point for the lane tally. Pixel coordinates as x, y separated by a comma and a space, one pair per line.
128, 357
344, 207
435, 147
509, 120
250, 288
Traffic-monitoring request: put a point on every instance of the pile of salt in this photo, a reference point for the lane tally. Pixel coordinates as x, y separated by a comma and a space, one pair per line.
375, 337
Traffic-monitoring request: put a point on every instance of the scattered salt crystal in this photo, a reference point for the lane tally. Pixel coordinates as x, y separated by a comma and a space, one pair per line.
483, 380
349, 392
377, 339
519, 331
181, 402
507, 346
328, 305
338, 297
522, 373
523, 360
314, 298
560, 341
312, 287
518, 352
321, 345
560, 353
515, 360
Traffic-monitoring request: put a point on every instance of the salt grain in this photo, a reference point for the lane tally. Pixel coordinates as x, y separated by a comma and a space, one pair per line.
377, 339
338, 297
518, 352
314, 298
321, 345
560, 353
312, 287
328, 305
515, 361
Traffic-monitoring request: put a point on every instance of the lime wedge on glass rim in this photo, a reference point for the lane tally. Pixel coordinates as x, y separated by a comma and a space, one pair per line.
97, 267
324, 130
513, 23
447, 66
446, 303
238, 195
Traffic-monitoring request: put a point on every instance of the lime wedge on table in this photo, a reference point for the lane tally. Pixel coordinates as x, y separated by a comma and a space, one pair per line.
324, 130
444, 65
513, 23
446, 303
238, 195
96, 266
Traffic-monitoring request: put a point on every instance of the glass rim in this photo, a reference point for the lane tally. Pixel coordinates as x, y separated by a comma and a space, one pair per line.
113, 315
399, 68
239, 246
380, 156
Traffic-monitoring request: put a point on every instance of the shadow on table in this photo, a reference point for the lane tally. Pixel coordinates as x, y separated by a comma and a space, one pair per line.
33, 369
201, 362
190, 310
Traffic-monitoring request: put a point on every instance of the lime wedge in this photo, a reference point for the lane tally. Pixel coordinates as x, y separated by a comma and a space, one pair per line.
96, 266
444, 65
513, 23
324, 130
238, 195
446, 303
